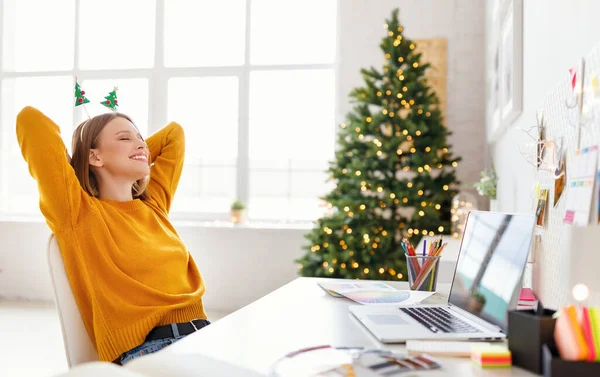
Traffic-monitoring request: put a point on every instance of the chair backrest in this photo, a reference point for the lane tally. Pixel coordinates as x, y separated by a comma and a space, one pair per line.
78, 346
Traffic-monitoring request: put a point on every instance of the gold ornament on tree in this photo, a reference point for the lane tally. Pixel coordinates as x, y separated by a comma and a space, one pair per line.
435, 52
403, 113
405, 146
386, 129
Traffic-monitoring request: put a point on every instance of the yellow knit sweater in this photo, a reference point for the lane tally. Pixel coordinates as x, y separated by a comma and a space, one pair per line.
126, 264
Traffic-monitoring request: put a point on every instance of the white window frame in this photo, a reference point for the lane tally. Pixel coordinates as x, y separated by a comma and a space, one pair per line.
158, 78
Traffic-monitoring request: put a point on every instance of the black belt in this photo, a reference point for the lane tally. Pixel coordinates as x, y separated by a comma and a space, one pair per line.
185, 328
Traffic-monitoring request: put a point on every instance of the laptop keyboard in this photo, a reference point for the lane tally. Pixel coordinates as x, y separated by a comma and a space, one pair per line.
439, 320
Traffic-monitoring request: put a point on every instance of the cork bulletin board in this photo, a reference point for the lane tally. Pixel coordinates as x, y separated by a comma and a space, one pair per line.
435, 52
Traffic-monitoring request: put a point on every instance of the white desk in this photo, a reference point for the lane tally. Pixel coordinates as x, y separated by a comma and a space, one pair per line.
300, 314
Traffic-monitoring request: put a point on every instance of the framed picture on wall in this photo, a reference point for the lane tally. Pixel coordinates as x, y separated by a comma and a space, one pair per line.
493, 71
511, 61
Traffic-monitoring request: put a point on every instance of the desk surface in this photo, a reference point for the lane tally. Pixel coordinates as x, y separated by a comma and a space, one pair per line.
301, 314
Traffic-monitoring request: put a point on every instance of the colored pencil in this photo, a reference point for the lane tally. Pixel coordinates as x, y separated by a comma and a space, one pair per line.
411, 252
427, 267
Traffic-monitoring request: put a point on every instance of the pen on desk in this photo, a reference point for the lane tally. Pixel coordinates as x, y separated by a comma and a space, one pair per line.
424, 246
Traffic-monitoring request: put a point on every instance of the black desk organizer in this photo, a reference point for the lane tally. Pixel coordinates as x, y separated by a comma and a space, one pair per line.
554, 366
527, 331
531, 343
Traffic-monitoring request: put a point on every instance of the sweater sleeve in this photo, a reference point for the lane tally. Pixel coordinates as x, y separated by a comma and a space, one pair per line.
61, 194
167, 152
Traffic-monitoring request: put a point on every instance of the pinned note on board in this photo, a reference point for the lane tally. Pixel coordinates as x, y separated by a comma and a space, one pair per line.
581, 186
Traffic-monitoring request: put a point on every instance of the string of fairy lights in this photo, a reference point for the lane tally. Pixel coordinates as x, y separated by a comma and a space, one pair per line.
393, 110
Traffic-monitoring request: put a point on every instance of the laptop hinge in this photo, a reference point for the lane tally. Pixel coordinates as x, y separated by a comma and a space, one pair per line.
475, 318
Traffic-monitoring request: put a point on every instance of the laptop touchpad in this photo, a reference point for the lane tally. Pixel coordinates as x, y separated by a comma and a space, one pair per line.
387, 319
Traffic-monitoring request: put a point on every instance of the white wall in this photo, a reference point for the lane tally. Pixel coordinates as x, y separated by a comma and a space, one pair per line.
242, 264
556, 34
462, 23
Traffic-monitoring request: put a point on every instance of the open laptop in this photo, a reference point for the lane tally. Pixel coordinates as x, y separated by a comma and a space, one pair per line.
491, 261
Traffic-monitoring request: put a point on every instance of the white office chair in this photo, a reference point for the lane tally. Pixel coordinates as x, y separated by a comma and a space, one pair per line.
78, 346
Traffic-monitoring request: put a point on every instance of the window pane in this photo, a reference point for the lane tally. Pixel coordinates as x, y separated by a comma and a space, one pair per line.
274, 183
205, 189
18, 189
21, 204
306, 209
116, 34
216, 27
132, 95
298, 32
47, 94
38, 35
270, 164
307, 183
189, 183
218, 181
292, 112
312, 164
288, 159
207, 107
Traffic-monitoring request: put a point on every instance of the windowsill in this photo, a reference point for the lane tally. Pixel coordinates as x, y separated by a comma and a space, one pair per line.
247, 225
189, 223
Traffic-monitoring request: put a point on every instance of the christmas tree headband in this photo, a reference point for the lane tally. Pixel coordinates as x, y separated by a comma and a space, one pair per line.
110, 101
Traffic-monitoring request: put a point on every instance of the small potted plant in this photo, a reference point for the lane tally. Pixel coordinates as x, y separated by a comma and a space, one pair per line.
487, 186
237, 212
476, 302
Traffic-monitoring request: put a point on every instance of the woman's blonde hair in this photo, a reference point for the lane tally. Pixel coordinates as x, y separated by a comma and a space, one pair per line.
85, 137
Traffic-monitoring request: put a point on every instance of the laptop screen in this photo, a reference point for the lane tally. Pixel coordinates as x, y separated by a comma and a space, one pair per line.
490, 266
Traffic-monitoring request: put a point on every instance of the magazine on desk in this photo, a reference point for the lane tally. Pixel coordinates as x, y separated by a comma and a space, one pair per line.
328, 361
374, 293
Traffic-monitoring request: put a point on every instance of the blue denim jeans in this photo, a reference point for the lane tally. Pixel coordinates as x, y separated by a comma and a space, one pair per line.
152, 346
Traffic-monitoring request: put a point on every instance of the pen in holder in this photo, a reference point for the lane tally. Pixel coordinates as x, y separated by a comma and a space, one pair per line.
422, 272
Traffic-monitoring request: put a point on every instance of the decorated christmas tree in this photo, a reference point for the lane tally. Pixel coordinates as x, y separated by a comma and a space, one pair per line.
80, 98
394, 173
111, 100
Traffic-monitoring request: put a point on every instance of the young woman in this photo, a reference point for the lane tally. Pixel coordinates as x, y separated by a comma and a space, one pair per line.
136, 285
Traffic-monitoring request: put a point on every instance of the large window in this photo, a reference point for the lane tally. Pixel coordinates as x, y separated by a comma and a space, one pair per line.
251, 81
